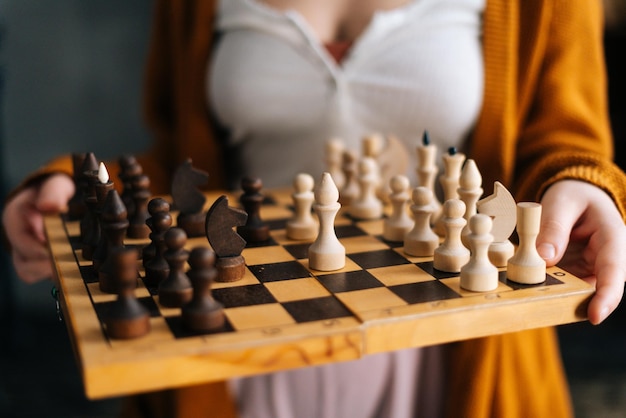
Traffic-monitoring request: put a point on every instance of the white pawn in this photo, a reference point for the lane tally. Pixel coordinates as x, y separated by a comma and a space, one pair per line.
302, 226
451, 255
421, 241
399, 223
326, 253
350, 189
479, 275
527, 266
367, 205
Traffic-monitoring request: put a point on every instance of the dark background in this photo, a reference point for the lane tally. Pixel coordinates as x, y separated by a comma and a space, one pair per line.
70, 75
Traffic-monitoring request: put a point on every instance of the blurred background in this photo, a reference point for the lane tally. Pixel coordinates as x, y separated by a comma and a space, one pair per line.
70, 75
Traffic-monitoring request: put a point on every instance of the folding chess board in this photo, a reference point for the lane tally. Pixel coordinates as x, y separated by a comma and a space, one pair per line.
283, 315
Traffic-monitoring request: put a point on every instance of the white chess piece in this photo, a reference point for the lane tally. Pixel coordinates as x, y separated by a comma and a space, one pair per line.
367, 205
451, 255
421, 241
334, 159
302, 226
479, 275
469, 191
398, 224
527, 266
326, 253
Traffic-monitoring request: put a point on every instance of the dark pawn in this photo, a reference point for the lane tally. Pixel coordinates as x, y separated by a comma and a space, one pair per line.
255, 230
156, 267
175, 290
203, 313
89, 228
156, 208
126, 317
129, 169
141, 194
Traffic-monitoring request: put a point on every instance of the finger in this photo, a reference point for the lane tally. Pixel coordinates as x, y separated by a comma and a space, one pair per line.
557, 221
32, 270
610, 276
54, 193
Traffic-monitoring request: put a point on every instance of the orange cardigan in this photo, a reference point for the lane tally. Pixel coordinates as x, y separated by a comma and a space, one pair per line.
544, 118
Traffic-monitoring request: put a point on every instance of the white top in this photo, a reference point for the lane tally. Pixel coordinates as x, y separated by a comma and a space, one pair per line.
281, 95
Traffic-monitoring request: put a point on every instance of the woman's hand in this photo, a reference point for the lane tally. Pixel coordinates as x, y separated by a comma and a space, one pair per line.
582, 231
22, 219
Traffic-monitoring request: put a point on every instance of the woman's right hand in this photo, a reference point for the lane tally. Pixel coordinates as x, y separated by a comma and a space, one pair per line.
22, 219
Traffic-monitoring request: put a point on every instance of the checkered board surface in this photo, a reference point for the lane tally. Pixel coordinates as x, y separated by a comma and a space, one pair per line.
283, 315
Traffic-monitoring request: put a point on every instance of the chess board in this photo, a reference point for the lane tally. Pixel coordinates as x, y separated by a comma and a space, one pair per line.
283, 315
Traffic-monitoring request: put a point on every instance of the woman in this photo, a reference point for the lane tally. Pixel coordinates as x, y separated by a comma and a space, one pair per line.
533, 109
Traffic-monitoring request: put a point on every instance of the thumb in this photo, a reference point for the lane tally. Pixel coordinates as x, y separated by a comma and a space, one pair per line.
557, 221
54, 194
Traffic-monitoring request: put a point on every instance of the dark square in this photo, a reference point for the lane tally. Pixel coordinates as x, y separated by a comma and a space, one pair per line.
102, 308
175, 323
349, 281
421, 292
267, 243
316, 309
298, 251
233, 297
274, 272
88, 273
348, 231
550, 281
380, 258
427, 266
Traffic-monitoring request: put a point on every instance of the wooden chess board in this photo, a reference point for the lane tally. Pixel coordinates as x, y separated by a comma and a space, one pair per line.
282, 315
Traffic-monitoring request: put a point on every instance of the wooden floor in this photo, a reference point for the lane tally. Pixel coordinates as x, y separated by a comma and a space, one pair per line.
37, 363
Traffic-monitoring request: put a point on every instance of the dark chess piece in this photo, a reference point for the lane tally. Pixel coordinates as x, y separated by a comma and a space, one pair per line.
137, 227
113, 223
188, 199
203, 313
89, 228
226, 243
175, 290
103, 186
156, 207
129, 169
126, 317
156, 267
255, 230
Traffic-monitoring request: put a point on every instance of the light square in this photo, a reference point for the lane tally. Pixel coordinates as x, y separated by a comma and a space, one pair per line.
401, 274
258, 316
297, 289
261, 255
370, 299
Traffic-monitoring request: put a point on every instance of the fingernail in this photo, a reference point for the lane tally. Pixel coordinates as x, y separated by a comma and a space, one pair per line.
604, 313
546, 251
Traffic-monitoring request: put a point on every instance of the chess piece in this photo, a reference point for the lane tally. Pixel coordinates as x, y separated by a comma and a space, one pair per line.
451, 255
427, 171
203, 313
326, 253
501, 207
334, 159
102, 187
175, 290
526, 266
137, 228
350, 189
155, 266
449, 180
126, 317
367, 205
157, 209
113, 222
392, 160
302, 226
421, 241
89, 228
398, 224
129, 169
469, 192
188, 199
479, 275
255, 230
227, 244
